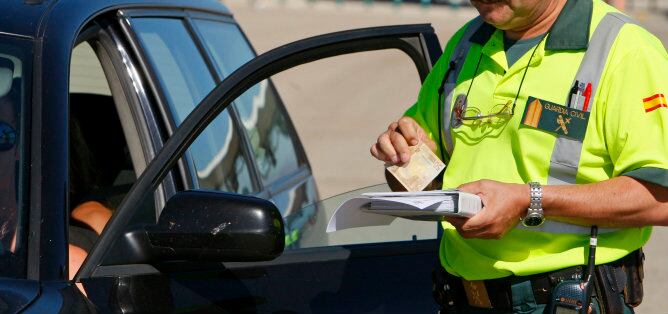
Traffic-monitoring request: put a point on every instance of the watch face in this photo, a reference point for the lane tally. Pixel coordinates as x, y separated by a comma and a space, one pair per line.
533, 220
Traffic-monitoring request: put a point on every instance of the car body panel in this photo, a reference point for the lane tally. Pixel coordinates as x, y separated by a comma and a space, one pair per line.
63, 297
17, 294
26, 17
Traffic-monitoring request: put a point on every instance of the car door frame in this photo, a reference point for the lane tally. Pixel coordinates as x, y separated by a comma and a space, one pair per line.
419, 42
186, 170
54, 31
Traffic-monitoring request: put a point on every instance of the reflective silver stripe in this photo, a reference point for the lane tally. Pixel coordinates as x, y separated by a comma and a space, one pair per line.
566, 152
593, 63
564, 163
552, 226
458, 57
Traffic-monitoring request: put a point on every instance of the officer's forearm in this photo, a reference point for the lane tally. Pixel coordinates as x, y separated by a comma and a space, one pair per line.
618, 202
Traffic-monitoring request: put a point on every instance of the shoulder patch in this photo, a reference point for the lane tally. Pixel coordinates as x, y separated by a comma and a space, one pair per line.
655, 102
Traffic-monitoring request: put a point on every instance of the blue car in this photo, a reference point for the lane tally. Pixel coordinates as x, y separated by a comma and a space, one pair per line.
161, 113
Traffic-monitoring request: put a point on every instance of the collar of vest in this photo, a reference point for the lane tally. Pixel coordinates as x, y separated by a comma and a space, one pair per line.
569, 32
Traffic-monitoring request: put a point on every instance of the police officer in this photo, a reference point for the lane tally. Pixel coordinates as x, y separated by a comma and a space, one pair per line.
553, 112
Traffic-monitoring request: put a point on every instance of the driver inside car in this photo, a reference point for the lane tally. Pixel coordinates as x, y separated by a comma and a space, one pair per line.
90, 216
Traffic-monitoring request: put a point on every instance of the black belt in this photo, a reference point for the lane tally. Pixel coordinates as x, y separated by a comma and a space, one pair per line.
497, 294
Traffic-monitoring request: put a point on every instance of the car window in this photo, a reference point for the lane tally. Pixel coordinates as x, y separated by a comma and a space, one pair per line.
337, 123
262, 114
185, 80
15, 56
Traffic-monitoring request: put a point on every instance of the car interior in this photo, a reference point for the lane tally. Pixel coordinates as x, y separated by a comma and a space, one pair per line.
104, 170
101, 168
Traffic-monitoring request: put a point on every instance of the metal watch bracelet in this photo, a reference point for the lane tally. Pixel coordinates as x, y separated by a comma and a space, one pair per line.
534, 215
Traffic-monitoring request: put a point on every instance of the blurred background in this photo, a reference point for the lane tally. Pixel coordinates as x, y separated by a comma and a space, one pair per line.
337, 127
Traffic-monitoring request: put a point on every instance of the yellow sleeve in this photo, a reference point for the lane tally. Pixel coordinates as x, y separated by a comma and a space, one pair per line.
636, 114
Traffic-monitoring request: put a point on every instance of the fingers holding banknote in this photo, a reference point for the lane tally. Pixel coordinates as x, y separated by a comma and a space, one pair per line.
392, 146
384, 150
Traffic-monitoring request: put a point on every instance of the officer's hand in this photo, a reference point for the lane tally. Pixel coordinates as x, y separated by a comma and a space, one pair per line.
503, 205
392, 145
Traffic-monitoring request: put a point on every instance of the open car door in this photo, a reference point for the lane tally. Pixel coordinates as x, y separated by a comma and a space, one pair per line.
214, 251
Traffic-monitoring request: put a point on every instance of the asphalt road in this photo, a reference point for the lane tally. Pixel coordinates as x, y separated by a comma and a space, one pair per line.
340, 105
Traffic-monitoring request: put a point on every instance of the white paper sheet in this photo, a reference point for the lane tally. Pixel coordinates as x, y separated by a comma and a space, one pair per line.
426, 205
420, 202
349, 215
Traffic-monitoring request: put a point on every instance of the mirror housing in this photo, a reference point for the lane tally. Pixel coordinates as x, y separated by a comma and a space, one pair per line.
209, 226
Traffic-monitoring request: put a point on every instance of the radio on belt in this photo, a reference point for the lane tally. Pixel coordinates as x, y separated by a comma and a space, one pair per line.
574, 296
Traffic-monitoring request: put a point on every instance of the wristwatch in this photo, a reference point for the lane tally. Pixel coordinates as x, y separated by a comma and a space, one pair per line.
534, 217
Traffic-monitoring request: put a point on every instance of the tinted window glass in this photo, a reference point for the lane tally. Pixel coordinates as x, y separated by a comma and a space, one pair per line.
227, 45
262, 115
186, 80
176, 61
14, 71
218, 158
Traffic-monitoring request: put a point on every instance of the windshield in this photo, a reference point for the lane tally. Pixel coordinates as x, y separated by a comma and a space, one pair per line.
14, 56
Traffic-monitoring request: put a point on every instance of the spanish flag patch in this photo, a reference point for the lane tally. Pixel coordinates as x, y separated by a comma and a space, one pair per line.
655, 102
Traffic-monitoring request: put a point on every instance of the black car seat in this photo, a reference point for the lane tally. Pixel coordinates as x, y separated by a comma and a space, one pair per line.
98, 150
98, 156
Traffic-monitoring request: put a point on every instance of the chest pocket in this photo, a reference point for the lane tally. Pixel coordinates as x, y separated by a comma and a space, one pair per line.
567, 151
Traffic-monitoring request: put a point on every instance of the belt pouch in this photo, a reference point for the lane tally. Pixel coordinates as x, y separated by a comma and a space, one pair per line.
632, 265
439, 284
445, 289
610, 282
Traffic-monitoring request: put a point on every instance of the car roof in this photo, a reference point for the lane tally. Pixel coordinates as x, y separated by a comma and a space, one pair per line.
25, 17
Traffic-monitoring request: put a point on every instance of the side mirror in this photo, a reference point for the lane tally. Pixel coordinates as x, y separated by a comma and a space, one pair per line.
209, 226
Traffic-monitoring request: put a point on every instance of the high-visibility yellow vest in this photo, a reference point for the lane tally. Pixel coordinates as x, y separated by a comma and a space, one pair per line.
626, 133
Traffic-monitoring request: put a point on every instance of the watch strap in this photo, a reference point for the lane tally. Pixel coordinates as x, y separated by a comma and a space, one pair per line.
534, 217
536, 196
